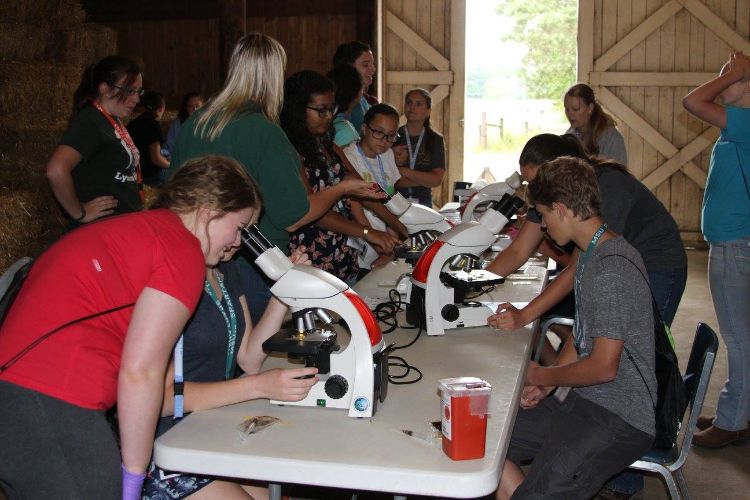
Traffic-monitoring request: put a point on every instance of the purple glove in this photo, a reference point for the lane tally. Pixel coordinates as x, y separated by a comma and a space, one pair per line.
131, 484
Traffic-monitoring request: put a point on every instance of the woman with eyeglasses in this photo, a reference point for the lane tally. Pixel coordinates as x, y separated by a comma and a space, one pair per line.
94, 324
307, 118
95, 171
241, 121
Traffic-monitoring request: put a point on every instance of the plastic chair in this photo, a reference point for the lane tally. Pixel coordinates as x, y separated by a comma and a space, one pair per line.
552, 320
9, 282
669, 463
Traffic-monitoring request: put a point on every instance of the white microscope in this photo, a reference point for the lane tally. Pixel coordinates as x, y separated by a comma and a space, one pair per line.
478, 202
446, 272
353, 376
422, 223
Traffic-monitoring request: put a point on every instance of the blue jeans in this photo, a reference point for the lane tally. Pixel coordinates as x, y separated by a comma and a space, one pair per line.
667, 288
729, 281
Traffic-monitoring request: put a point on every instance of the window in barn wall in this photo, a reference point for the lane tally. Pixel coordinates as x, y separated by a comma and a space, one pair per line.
520, 59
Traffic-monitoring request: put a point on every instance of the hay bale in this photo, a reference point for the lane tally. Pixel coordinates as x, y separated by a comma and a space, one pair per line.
23, 42
32, 90
24, 149
82, 45
30, 219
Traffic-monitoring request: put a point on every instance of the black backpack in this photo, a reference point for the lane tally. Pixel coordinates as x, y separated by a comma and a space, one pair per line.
671, 397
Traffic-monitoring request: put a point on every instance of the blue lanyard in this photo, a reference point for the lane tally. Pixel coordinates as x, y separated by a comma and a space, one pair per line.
382, 180
231, 322
578, 337
413, 155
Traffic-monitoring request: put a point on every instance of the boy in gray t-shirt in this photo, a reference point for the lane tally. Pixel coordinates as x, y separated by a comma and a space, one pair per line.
579, 439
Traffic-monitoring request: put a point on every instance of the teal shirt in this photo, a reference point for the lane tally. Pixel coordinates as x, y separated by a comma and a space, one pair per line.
726, 200
267, 155
345, 131
358, 113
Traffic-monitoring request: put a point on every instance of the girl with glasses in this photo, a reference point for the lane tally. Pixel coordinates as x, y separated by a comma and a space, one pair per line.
95, 171
372, 157
307, 118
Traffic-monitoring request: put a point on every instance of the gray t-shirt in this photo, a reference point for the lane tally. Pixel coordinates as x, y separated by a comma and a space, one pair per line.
615, 303
630, 209
611, 144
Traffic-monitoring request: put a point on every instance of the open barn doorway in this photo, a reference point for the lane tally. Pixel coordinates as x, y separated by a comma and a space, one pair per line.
520, 58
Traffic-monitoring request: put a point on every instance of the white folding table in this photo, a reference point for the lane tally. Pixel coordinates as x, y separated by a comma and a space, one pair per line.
325, 447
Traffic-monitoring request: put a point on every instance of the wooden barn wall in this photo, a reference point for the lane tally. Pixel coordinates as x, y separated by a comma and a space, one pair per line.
682, 44
182, 55
428, 19
310, 41
178, 56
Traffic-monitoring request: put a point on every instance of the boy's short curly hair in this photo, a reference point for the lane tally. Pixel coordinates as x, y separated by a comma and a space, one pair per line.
570, 181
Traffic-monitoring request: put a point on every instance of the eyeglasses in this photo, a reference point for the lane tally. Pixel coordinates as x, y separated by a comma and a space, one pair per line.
323, 112
378, 134
130, 91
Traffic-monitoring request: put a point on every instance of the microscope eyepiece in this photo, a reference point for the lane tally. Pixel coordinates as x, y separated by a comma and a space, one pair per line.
508, 205
254, 240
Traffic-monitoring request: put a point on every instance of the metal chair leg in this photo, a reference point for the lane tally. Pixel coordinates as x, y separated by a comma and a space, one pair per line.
682, 484
674, 492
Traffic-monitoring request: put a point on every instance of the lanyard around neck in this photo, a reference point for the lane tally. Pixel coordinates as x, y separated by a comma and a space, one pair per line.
123, 134
231, 322
413, 155
230, 318
578, 337
382, 180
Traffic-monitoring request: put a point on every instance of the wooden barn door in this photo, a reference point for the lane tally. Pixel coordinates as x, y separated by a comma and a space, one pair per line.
642, 57
422, 45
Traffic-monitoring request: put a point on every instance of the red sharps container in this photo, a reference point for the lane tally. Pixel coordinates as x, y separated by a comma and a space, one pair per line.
463, 404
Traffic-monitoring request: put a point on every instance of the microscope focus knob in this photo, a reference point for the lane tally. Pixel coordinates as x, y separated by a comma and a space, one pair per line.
450, 312
336, 387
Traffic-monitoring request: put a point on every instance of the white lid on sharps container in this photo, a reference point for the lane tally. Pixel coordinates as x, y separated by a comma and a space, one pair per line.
477, 389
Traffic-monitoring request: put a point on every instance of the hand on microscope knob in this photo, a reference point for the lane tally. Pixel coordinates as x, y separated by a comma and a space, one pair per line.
382, 241
354, 186
300, 256
286, 384
507, 317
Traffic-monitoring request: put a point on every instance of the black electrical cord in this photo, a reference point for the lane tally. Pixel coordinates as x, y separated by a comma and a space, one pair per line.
386, 313
402, 363
483, 291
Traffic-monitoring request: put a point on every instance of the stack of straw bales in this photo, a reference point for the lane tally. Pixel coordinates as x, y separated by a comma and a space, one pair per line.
44, 46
